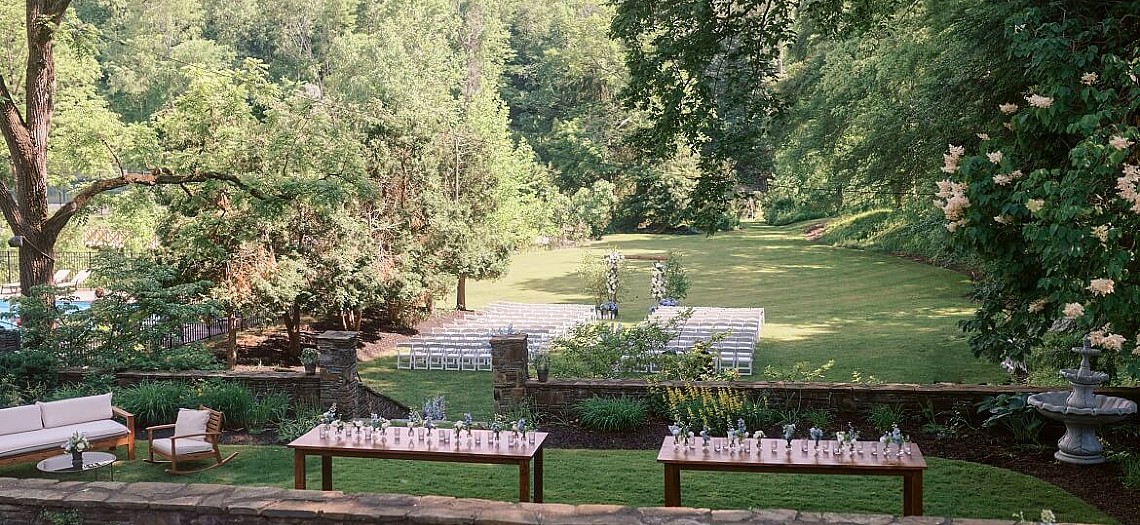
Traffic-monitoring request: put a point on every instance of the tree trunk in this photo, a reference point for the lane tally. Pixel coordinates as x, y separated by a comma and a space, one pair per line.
231, 339
293, 328
36, 267
461, 294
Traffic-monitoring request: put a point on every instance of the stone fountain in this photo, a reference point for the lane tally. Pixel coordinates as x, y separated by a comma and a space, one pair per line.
1081, 411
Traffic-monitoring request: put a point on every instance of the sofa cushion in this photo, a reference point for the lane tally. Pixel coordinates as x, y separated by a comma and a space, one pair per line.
191, 422
76, 410
183, 446
15, 444
20, 419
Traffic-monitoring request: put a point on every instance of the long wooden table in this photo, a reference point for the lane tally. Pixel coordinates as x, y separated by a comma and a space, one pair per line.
409, 448
795, 461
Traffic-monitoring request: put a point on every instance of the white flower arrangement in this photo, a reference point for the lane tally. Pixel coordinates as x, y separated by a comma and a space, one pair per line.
76, 443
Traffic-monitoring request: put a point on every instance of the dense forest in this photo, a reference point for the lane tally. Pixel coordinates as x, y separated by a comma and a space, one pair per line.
332, 155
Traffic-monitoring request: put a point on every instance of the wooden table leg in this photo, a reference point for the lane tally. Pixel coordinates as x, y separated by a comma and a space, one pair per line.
538, 476
524, 480
672, 485
912, 494
298, 469
326, 472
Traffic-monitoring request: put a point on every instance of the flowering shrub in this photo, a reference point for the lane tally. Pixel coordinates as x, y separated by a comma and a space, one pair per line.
1051, 200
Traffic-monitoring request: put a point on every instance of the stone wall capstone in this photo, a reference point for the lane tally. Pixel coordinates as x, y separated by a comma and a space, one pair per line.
29, 501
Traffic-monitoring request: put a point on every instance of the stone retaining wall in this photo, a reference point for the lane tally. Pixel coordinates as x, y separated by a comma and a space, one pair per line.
116, 503
302, 389
558, 396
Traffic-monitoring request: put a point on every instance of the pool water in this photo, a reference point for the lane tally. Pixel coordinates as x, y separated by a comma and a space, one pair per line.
9, 323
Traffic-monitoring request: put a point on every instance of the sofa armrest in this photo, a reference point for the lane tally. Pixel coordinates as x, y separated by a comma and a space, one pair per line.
129, 420
127, 416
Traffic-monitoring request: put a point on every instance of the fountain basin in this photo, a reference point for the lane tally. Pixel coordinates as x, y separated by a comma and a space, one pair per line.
1080, 445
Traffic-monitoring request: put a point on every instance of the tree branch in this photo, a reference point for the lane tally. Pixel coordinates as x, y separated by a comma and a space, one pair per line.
156, 176
9, 207
12, 123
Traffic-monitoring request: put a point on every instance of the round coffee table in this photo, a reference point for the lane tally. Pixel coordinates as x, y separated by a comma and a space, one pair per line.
62, 464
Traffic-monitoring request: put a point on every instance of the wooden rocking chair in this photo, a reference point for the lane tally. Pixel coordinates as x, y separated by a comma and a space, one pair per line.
195, 438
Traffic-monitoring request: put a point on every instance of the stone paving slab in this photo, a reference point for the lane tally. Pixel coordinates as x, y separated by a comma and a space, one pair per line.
117, 503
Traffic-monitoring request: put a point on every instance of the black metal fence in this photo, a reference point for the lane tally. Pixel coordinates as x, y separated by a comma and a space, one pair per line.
74, 261
77, 355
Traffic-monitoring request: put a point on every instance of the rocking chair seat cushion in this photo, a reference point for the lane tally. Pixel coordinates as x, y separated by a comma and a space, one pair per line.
191, 422
182, 446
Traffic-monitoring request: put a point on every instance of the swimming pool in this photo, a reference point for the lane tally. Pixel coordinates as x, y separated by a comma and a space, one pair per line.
8, 321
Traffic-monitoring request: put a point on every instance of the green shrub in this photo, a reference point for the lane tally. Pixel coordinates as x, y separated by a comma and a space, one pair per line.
818, 418
92, 384
700, 406
29, 369
799, 372
268, 411
1129, 469
758, 415
233, 400
611, 414
883, 416
290, 428
782, 210
607, 351
154, 402
1013, 413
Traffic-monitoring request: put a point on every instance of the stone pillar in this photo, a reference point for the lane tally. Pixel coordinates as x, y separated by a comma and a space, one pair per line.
509, 370
340, 383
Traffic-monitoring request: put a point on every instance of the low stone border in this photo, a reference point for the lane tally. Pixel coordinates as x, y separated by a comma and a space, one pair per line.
118, 503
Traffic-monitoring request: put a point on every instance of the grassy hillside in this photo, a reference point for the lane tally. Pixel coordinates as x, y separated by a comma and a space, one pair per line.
882, 316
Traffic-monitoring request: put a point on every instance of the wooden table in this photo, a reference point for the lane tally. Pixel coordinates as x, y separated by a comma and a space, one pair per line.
409, 448
795, 461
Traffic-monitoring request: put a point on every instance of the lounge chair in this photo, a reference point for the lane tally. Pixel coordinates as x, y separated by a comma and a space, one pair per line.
60, 276
74, 284
195, 437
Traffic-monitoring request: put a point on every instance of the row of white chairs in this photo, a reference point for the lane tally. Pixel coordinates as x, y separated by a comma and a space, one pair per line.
465, 344
734, 350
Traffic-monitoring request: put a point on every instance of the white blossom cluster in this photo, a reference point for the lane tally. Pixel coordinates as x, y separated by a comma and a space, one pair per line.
1126, 186
953, 202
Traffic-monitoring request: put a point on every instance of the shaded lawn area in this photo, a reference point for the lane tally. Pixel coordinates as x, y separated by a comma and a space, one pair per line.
463, 391
633, 477
881, 316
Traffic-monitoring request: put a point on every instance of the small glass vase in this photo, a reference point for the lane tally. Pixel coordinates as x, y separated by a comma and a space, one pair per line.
77, 459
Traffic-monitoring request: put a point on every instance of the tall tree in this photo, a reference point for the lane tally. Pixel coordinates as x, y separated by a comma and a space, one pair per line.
701, 71
24, 198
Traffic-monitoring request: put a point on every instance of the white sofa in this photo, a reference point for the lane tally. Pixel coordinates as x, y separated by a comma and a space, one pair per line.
34, 432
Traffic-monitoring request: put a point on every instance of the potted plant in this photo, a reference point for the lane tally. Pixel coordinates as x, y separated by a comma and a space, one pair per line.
542, 366
309, 358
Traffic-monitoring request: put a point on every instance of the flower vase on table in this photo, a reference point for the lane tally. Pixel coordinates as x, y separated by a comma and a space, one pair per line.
75, 445
789, 432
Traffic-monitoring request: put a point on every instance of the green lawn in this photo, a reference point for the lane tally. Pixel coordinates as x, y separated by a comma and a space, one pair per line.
884, 316
952, 488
